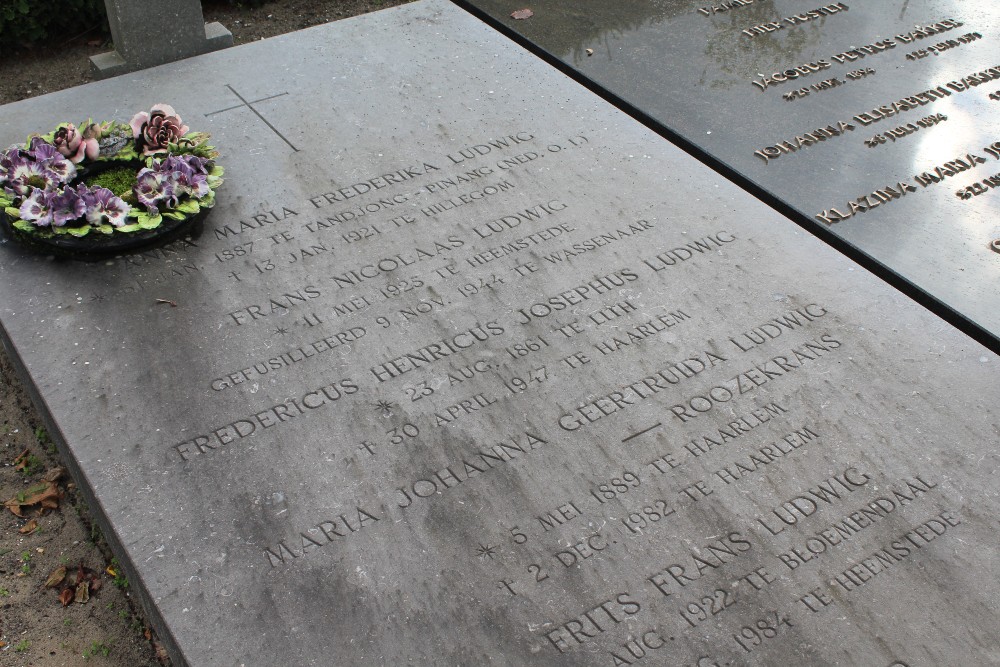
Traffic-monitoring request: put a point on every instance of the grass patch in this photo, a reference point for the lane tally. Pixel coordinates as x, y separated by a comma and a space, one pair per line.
97, 649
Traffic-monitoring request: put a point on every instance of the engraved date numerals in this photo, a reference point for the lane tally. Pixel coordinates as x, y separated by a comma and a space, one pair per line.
647, 516
518, 535
710, 605
400, 287
482, 284
401, 434
615, 487
979, 188
361, 234
765, 629
518, 385
419, 391
236, 251
518, 350
860, 73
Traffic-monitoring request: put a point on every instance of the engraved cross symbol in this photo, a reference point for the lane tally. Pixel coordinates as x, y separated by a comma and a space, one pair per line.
249, 105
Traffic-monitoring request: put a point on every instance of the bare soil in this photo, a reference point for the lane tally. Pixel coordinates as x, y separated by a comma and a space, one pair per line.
109, 629
28, 72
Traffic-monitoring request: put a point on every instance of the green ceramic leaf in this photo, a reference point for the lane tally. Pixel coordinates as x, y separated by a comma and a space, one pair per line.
126, 229
79, 231
188, 206
106, 229
12, 212
208, 201
128, 152
147, 221
197, 137
24, 226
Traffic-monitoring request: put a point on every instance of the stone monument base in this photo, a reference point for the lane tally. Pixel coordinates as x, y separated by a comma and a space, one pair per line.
112, 63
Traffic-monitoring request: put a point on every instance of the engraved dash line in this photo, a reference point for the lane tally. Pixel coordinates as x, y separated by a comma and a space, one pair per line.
644, 431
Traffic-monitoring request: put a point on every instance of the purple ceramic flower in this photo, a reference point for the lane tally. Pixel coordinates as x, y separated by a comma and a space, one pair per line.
67, 205
34, 143
39, 166
102, 203
188, 173
187, 163
153, 188
37, 208
24, 175
7, 159
49, 157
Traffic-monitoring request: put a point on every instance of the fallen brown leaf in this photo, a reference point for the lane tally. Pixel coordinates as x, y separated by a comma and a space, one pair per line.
66, 597
57, 577
161, 651
173, 304
82, 593
21, 462
54, 475
46, 495
86, 578
522, 14
29, 527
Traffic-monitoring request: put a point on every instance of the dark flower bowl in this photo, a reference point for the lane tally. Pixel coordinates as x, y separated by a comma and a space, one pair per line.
95, 247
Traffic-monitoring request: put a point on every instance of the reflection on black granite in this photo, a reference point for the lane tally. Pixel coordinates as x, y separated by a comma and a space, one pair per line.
568, 30
693, 74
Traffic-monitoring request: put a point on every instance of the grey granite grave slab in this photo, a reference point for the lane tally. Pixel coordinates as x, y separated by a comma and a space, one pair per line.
468, 367
146, 34
873, 129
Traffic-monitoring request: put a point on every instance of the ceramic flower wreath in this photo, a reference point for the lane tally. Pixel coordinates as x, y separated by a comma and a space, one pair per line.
110, 178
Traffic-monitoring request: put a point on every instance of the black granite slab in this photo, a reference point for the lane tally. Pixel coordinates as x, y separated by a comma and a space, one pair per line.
873, 121
469, 367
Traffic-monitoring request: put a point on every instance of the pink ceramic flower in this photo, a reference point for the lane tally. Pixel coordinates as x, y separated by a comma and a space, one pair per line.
76, 145
154, 130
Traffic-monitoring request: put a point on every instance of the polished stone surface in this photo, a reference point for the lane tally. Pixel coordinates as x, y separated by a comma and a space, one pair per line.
691, 66
468, 367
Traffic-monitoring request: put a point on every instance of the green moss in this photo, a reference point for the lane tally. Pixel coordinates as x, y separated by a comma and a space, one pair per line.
119, 181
